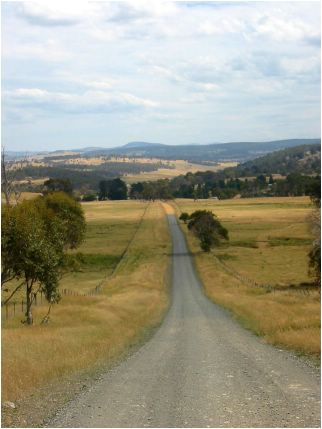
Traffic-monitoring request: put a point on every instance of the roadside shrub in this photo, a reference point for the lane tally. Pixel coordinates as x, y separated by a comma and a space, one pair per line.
207, 228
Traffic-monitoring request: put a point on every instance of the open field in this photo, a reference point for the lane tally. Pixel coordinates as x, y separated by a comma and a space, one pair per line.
260, 274
168, 168
23, 196
178, 167
87, 332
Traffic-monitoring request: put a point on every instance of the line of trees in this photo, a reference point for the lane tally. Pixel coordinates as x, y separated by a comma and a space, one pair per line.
203, 185
209, 184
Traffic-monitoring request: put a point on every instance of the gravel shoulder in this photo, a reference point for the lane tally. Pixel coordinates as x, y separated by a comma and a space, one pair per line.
200, 369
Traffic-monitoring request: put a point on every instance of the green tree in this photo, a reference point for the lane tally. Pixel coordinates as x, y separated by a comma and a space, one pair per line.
207, 228
32, 256
136, 190
58, 185
104, 186
35, 236
61, 207
184, 216
117, 190
315, 221
314, 191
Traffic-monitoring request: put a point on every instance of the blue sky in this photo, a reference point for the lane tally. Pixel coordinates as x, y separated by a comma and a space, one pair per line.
106, 73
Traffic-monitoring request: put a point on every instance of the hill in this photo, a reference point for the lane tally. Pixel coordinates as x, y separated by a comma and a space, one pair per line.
132, 145
289, 172
216, 152
304, 159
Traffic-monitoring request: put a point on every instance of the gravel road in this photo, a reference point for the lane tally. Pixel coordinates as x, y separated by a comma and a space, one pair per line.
200, 369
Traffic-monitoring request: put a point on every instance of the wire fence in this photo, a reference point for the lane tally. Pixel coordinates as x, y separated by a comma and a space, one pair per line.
246, 280
98, 288
14, 308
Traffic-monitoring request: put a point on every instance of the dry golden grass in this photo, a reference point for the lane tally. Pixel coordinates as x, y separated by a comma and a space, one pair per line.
180, 167
268, 245
23, 196
86, 332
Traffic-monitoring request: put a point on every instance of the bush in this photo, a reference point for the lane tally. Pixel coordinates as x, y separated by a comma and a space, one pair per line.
89, 197
184, 216
205, 226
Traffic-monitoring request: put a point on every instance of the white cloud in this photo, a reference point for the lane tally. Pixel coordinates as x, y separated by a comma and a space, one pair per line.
138, 10
284, 29
58, 13
300, 66
87, 102
157, 65
47, 50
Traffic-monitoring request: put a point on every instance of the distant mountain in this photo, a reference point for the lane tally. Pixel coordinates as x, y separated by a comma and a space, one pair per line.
85, 149
13, 155
236, 151
142, 145
214, 152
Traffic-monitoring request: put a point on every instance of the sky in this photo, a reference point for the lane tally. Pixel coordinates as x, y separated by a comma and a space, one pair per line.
106, 73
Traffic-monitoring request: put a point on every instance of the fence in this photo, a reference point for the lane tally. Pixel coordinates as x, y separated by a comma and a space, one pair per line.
98, 288
246, 280
13, 308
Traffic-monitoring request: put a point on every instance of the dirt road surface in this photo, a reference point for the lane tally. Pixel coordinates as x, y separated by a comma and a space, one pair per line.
200, 369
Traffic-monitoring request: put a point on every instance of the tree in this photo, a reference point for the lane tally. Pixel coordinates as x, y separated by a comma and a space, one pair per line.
184, 216
136, 190
69, 213
35, 235
58, 185
315, 252
315, 220
30, 253
117, 190
261, 180
149, 191
104, 186
8, 179
314, 191
207, 228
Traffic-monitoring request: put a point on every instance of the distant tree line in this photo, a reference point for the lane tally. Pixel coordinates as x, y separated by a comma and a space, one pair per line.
81, 176
203, 185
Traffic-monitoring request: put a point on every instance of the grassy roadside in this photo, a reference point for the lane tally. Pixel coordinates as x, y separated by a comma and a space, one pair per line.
260, 275
88, 332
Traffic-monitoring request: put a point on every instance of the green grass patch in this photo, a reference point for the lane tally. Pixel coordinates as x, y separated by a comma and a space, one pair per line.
289, 241
225, 257
90, 261
252, 244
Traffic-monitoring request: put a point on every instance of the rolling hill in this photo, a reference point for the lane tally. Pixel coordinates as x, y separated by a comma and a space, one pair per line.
237, 151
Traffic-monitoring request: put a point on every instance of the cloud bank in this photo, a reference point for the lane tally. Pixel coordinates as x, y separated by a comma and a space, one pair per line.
105, 73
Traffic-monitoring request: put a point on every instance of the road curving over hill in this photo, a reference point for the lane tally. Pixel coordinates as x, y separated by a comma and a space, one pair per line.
200, 369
